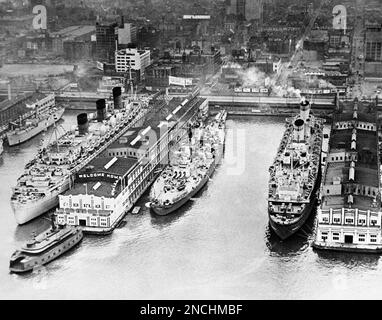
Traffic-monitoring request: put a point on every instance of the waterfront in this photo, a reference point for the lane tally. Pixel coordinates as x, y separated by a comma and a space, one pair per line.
217, 247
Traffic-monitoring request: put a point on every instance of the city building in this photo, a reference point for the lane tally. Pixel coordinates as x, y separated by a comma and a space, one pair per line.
132, 58
159, 75
127, 34
373, 59
268, 65
246, 9
72, 34
106, 41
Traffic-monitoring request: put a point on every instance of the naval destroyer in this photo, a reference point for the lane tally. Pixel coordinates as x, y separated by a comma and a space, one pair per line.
192, 166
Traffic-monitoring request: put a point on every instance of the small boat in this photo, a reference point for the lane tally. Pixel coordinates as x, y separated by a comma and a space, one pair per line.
45, 247
136, 210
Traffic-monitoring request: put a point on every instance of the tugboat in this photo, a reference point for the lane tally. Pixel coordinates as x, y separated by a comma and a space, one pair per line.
295, 174
193, 166
45, 247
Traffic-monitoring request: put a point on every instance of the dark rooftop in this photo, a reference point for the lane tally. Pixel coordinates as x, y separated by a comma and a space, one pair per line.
119, 167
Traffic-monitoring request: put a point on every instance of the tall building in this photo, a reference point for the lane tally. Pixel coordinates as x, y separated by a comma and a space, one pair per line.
106, 42
246, 9
254, 10
232, 8
138, 60
373, 59
374, 43
127, 34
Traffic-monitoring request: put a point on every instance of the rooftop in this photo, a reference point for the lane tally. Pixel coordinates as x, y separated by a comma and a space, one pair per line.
154, 126
114, 166
101, 177
74, 31
22, 99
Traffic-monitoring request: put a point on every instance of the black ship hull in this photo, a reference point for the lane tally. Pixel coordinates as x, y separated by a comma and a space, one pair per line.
284, 231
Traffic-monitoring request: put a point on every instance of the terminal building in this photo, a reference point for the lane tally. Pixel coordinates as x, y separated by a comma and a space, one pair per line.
349, 217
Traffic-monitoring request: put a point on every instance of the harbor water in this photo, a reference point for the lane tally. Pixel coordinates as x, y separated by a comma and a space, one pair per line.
218, 246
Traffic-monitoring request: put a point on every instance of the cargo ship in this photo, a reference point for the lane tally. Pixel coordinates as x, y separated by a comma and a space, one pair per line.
349, 215
193, 164
295, 173
45, 115
51, 172
45, 247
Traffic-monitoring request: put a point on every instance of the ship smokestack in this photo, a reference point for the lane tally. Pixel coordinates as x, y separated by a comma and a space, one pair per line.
83, 124
299, 132
117, 97
304, 109
101, 110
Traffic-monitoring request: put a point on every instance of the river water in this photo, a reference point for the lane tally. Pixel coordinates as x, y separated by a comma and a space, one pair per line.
218, 246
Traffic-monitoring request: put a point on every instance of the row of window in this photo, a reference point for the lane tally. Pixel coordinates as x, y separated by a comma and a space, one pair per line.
54, 253
336, 237
361, 221
350, 125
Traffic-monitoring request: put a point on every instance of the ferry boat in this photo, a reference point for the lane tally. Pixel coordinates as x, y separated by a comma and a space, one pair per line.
50, 172
192, 167
46, 114
349, 215
295, 173
45, 247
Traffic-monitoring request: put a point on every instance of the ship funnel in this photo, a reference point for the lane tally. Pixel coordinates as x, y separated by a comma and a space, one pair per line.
83, 124
101, 110
117, 97
299, 132
304, 109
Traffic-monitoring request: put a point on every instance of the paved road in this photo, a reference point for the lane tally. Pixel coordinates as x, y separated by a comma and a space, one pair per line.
358, 50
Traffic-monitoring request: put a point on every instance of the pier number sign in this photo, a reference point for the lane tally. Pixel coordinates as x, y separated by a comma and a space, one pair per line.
40, 18
339, 17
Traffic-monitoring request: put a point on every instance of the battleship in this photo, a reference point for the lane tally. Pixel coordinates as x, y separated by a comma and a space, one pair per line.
45, 247
190, 169
44, 116
349, 215
51, 172
295, 173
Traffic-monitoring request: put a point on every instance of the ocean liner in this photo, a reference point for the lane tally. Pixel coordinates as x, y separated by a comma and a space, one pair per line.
295, 173
45, 247
45, 115
51, 171
349, 215
191, 168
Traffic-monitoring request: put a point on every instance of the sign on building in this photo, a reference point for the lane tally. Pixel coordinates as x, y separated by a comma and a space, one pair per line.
180, 81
